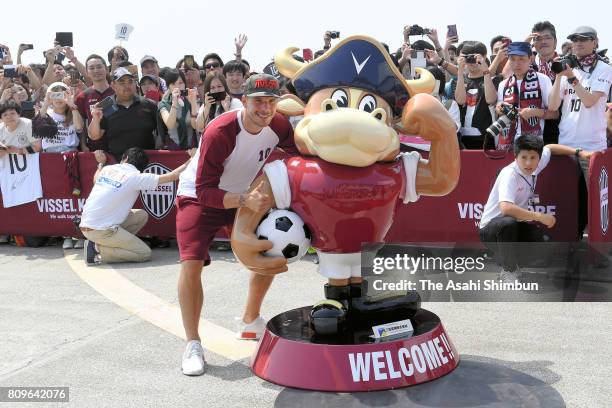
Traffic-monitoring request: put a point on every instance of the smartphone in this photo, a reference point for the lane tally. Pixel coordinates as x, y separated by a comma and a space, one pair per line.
188, 61
133, 70
307, 54
105, 103
27, 46
218, 96
27, 106
417, 60
452, 31
64, 39
56, 96
153, 95
10, 71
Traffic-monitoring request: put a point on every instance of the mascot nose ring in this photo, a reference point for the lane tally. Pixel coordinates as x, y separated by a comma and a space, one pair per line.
328, 104
380, 114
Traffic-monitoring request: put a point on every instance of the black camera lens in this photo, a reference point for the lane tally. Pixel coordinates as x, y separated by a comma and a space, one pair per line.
557, 67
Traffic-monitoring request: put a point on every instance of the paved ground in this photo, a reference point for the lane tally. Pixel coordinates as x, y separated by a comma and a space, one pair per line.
113, 336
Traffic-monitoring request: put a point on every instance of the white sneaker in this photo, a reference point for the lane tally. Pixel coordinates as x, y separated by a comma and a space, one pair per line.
193, 359
79, 244
68, 244
250, 331
509, 277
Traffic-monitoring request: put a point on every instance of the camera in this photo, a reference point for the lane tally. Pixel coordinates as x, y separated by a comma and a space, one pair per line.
184, 93
470, 59
418, 30
218, 96
56, 96
509, 115
567, 61
334, 34
10, 71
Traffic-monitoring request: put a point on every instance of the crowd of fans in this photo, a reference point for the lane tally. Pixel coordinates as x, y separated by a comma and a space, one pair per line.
115, 103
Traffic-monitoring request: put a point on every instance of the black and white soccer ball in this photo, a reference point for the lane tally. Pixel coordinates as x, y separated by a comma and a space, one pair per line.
288, 233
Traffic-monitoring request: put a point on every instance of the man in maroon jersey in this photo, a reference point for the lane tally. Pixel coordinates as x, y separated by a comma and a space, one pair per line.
233, 149
97, 71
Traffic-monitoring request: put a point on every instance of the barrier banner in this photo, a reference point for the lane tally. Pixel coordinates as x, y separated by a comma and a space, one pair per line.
453, 218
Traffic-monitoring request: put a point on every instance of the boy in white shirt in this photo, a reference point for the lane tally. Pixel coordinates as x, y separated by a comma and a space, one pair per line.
506, 217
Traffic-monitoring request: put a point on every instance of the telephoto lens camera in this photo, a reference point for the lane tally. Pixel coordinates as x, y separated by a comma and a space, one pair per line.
509, 115
567, 61
418, 30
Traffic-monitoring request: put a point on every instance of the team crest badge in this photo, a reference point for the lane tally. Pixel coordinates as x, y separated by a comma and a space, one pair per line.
160, 201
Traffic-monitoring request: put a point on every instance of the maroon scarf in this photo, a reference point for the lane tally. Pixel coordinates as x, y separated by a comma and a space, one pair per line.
544, 67
587, 60
530, 97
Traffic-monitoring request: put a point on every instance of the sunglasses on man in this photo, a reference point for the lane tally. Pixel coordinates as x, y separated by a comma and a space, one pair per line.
212, 65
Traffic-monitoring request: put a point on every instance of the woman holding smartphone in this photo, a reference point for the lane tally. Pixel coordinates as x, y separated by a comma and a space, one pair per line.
178, 110
217, 100
59, 105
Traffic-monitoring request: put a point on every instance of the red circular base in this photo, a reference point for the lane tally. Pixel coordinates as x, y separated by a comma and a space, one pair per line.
289, 354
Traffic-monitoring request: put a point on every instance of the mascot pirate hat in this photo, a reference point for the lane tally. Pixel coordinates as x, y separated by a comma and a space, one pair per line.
358, 62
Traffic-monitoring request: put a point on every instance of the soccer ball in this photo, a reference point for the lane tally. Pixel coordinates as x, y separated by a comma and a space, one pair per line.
288, 233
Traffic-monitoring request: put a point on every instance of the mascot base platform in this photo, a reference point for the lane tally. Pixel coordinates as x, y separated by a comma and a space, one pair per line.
290, 354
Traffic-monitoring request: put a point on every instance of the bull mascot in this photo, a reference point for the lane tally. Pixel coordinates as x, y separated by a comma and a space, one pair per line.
350, 176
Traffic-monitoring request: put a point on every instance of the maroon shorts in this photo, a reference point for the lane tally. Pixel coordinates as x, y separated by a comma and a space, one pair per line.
196, 227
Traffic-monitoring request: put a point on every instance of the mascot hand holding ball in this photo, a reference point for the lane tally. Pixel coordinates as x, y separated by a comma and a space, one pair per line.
350, 176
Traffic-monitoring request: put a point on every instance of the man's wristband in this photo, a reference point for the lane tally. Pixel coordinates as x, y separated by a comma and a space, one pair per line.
573, 81
578, 150
241, 201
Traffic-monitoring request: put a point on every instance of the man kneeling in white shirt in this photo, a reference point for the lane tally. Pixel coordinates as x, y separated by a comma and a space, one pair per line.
108, 219
506, 217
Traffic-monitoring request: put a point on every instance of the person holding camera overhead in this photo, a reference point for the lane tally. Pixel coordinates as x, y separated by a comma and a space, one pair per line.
475, 93
178, 110
218, 100
527, 91
582, 84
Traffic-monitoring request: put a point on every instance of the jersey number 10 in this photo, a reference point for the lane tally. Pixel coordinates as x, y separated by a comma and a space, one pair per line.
264, 155
14, 162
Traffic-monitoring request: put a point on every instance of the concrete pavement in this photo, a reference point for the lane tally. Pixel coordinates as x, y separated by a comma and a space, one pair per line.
108, 343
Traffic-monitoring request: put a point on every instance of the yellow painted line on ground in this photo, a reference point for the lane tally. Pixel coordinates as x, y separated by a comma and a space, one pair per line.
131, 297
